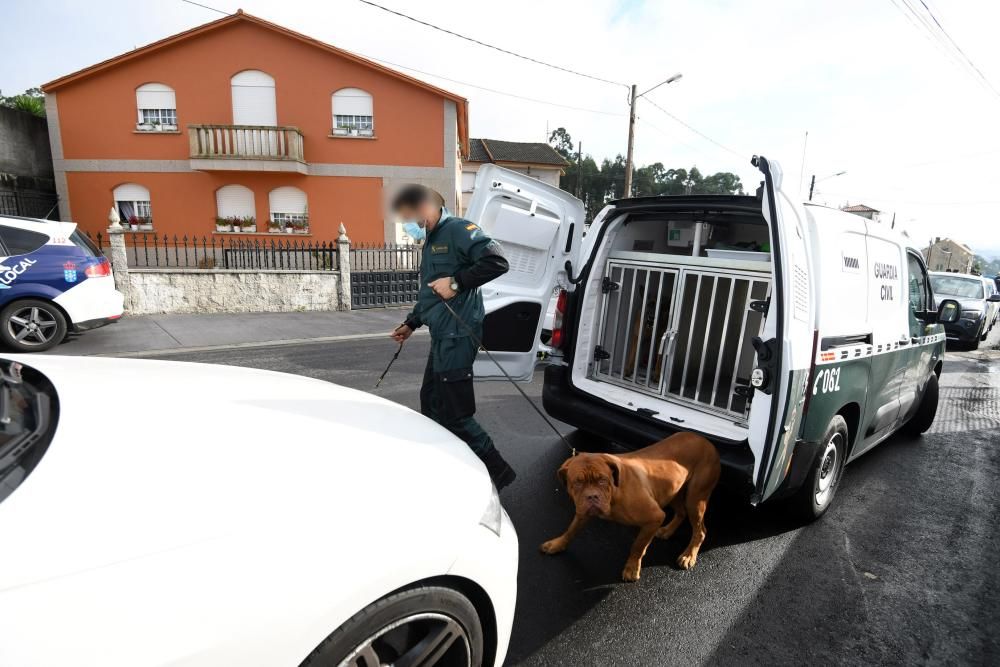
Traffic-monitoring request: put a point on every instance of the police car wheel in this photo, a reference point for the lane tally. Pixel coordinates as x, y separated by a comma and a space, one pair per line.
926, 411
816, 494
32, 325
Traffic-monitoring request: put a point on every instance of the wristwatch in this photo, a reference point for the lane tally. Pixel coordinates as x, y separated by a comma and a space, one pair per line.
454, 285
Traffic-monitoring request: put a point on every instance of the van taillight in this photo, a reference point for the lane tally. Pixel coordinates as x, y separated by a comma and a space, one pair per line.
99, 270
557, 319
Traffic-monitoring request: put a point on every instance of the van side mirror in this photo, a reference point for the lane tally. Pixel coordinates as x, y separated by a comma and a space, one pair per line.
994, 297
949, 311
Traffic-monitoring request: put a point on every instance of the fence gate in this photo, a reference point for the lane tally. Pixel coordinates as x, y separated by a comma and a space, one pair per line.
384, 275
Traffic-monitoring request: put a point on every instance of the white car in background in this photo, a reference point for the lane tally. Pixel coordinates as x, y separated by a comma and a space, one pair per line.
164, 513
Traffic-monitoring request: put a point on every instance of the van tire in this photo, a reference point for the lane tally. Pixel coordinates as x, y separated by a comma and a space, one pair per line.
816, 494
926, 411
46, 317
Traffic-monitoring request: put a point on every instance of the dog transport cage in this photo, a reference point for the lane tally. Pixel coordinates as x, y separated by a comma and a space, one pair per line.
680, 328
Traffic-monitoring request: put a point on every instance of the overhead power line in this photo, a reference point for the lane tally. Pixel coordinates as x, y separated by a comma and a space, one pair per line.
493, 90
927, 23
211, 9
742, 156
973, 65
491, 46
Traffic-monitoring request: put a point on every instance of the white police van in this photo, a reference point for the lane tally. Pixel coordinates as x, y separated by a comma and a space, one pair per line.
53, 280
794, 337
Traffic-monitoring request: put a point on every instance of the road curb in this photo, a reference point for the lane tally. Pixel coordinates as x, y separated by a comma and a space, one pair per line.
243, 346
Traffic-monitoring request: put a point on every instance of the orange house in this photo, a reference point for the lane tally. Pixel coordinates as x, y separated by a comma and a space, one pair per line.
243, 125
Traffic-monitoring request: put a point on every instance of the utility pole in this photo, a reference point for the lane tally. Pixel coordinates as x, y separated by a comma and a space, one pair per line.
631, 143
633, 98
579, 171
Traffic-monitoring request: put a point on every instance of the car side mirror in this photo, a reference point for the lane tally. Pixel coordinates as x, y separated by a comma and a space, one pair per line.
949, 311
994, 297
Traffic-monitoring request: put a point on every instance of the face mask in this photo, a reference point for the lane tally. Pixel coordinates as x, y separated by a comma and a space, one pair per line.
414, 230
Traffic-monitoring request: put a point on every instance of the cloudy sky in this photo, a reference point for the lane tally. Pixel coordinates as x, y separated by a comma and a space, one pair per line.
916, 132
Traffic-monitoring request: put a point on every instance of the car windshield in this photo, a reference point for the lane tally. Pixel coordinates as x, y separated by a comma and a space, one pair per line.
27, 409
966, 288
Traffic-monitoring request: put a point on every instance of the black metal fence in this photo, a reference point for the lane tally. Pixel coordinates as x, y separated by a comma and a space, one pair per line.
385, 257
157, 252
28, 203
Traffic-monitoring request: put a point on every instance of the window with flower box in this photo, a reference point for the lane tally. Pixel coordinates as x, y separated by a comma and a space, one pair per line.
289, 211
157, 108
235, 210
134, 209
352, 113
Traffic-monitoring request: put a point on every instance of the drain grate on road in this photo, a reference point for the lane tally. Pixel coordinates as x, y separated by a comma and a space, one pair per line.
967, 409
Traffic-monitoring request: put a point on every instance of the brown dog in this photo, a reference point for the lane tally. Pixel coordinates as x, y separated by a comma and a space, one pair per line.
642, 337
633, 489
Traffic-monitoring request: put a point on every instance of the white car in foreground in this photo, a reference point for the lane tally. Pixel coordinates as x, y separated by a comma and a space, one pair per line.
162, 513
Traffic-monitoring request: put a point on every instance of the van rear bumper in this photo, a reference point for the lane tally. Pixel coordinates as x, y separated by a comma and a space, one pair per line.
626, 427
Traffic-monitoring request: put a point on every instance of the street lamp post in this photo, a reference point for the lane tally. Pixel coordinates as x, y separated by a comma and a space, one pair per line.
631, 129
812, 184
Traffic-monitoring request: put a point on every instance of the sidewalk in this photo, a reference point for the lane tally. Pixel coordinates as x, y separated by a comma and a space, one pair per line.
143, 335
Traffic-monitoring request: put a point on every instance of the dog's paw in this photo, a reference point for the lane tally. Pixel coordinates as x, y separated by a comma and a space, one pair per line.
553, 547
687, 560
631, 572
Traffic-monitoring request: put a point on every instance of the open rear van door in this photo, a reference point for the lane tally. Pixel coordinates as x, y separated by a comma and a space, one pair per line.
785, 347
539, 227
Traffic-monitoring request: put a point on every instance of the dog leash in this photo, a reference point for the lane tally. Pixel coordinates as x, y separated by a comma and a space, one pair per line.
478, 342
391, 362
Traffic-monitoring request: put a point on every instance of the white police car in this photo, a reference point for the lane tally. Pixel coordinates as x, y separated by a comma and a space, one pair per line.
52, 280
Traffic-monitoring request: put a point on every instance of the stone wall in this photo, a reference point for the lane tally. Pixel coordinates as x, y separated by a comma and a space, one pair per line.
217, 291
24, 145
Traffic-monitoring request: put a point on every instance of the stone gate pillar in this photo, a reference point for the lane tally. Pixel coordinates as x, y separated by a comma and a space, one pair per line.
344, 266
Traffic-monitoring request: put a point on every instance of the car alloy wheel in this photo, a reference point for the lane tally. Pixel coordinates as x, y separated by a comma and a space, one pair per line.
420, 639
828, 469
32, 326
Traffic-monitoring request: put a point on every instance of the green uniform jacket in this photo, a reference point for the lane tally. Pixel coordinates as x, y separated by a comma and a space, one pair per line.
459, 249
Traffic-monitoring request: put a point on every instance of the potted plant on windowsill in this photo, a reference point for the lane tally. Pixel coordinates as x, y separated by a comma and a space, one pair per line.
223, 225
273, 227
133, 223
145, 223
248, 225
300, 226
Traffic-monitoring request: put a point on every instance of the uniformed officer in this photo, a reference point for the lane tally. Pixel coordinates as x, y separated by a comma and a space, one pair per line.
458, 257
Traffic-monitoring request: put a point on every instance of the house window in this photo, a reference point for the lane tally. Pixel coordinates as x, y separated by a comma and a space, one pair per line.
235, 209
157, 108
352, 113
132, 202
289, 211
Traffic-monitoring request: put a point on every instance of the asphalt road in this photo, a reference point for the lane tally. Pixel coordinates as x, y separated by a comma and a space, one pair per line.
902, 570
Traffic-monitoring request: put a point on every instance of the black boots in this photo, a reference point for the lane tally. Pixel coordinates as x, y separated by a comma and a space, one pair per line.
500, 471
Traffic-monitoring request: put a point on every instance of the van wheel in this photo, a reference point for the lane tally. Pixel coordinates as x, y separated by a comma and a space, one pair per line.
924, 416
32, 325
817, 491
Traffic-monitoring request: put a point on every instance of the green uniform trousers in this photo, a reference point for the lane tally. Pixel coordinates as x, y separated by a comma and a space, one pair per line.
447, 395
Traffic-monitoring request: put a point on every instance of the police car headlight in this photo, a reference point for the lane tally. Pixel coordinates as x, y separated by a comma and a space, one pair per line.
492, 516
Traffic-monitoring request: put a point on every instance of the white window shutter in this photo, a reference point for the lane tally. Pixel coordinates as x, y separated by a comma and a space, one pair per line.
131, 192
155, 96
287, 200
352, 102
253, 99
234, 201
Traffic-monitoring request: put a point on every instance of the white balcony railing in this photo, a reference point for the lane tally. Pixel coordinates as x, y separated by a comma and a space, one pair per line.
245, 142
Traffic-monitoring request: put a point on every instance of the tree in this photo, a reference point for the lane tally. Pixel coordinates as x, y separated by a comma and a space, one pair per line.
30, 101
598, 185
563, 143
